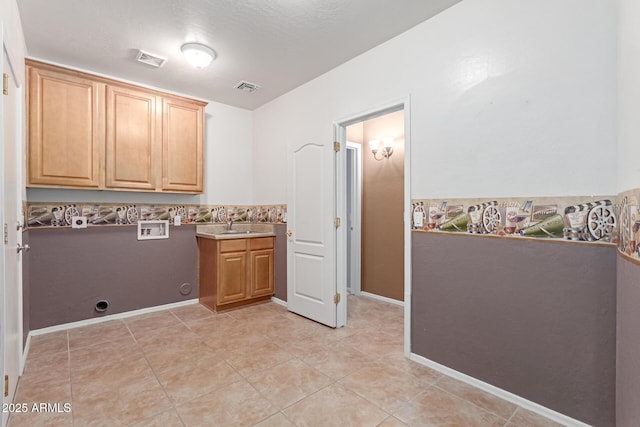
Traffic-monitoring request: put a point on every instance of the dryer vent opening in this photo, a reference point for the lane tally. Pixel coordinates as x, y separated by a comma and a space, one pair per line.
102, 306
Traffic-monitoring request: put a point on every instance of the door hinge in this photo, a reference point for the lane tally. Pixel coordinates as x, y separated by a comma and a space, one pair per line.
6, 234
5, 83
336, 146
336, 298
336, 222
6, 385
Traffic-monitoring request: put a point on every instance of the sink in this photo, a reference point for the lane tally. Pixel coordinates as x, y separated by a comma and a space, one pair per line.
237, 232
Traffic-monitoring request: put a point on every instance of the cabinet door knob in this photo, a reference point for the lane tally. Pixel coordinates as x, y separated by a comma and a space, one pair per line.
289, 233
21, 248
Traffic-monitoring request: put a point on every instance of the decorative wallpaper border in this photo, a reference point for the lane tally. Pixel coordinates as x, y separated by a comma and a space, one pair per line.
59, 215
586, 219
629, 235
611, 219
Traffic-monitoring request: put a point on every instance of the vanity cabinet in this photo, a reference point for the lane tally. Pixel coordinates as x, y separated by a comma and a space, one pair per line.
90, 132
235, 272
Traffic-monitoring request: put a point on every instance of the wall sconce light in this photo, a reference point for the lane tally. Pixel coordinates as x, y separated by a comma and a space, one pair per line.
387, 148
198, 54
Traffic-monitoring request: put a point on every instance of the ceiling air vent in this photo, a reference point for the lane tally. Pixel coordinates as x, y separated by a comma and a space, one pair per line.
247, 86
150, 59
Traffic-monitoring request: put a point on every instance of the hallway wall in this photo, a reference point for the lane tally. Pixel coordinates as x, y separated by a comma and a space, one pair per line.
382, 210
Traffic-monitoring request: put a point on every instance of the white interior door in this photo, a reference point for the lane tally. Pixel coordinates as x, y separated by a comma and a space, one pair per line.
11, 205
311, 246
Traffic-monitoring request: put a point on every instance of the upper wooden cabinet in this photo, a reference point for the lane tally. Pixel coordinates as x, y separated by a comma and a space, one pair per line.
132, 134
88, 132
65, 130
182, 141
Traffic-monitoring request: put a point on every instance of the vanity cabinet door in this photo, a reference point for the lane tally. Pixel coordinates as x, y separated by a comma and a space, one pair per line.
261, 273
232, 277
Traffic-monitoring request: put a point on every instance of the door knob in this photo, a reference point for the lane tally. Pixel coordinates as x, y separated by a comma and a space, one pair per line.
289, 233
21, 248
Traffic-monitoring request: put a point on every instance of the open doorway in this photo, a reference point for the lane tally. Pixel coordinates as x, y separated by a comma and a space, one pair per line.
402, 231
375, 207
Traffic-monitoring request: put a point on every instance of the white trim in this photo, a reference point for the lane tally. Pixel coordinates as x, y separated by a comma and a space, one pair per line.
279, 301
407, 225
95, 320
356, 249
381, 298
339, 193
25, 352
502, 394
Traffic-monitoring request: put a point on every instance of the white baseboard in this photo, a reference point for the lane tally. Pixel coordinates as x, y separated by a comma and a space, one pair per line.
503, 394
93, 321
381, 298
279, 301
86, 322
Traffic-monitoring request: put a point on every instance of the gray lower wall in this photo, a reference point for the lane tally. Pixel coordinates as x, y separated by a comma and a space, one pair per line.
69, 270
280, 268
535, 318
628, 338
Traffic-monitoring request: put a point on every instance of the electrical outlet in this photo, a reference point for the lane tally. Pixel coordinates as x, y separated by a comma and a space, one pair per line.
417, 219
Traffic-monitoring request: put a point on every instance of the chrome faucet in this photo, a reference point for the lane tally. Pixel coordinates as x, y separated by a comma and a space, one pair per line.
229, 224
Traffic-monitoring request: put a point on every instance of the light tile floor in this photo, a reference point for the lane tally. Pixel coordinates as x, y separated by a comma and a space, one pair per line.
256, 366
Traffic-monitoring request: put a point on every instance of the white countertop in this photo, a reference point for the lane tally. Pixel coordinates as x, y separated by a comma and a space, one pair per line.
239, 231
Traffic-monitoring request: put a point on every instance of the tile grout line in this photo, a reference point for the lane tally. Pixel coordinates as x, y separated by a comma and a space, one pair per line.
470, 402
73, 416
511, 417
173, 405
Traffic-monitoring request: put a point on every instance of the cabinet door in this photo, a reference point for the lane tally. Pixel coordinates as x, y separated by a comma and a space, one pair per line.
261, 273
182, 146
66, 130
232, 277
132, 139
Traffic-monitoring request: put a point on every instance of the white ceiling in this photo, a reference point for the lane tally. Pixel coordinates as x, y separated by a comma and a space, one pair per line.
277, 44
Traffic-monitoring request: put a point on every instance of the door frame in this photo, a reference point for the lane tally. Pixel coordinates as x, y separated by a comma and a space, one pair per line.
4, 247
356, 199
12, 307
340, 135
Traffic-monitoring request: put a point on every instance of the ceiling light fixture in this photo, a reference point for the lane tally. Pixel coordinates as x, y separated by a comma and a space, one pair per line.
198, 54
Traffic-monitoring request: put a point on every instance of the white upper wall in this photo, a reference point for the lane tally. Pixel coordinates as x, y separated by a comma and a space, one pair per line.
508, 98
629, 96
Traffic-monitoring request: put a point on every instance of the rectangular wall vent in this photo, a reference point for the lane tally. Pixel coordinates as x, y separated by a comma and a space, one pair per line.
150, 59
247, 86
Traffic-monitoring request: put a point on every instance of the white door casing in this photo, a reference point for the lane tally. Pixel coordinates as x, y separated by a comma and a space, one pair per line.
341, 269
11, 183
354, 215
311, 245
